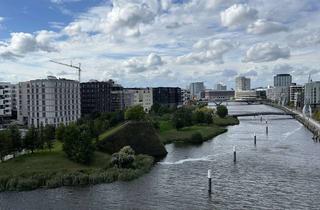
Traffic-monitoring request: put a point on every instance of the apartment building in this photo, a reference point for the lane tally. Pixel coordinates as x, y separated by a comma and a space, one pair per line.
48, 101
5, 102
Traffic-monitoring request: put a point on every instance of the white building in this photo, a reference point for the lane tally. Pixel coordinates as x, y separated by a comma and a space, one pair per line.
5, 99
186, 96
312, 93
195, 89
243, 83
140, 96
220, 86
245, 95
282, 80
278, 94
48, 101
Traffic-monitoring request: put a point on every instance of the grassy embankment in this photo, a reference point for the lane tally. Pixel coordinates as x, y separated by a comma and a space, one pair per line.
50, 169
169, 134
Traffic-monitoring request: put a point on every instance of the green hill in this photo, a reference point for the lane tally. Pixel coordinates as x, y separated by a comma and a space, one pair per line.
141, 136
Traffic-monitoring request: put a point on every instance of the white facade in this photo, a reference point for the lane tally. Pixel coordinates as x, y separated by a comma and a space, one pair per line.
48, 101
195, 89
278, 94
312, 93
186, 96
5, 99
245, 95
140, 96
243, 83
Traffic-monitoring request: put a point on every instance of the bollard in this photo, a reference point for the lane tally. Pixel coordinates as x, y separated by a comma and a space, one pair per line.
260, 118
255, 139
267, 130
234, 154
209, 181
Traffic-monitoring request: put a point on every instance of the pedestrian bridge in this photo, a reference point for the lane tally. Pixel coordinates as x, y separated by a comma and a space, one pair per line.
262, 113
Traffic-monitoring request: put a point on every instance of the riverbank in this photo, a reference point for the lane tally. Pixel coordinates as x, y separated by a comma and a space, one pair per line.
311, 124
51, 169
169, 134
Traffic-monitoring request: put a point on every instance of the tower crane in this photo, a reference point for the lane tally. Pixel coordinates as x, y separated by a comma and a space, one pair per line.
71, 66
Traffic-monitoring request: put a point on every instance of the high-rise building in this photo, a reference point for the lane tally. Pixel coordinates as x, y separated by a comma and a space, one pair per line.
5, 102
282, 80
294, 91
96, 97
167, 96
220, 86
243, 83
117, 98
195, 89
186, 96
48, 101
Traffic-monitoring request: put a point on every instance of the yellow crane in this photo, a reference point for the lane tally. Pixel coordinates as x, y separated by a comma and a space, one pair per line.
71, 66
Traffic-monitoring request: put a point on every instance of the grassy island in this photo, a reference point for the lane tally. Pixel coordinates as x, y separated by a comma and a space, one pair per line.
50, 169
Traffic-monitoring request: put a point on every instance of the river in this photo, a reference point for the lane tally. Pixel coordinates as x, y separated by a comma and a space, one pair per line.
281, 172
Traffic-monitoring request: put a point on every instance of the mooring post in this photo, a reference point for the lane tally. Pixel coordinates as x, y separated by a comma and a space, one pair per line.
255, 138
260, 118
267, 128
209, 181
234, 154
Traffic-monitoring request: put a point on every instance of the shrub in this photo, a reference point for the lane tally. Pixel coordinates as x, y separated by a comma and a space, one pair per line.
222, 111
196, 138
124, 158
135, 113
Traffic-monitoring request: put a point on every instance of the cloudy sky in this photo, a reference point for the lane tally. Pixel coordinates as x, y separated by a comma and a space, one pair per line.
160, 42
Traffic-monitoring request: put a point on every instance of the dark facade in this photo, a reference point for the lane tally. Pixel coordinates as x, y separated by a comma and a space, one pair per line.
96, 97
167, 96
117, 98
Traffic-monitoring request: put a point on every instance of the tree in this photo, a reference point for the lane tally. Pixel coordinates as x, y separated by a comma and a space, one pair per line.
155, 108
77, 144
41, 138
222, 111
16, 139
31, 138
5, 143
182, 117
124, 158
135, 113
60, 132
49, 135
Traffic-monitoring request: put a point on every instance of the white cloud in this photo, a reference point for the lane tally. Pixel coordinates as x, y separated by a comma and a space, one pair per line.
22, 43
238, 15
262, 26
135, 65
1, 19
207, 50
264, 52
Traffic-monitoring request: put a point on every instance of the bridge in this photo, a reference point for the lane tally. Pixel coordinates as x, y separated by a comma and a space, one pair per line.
262, 113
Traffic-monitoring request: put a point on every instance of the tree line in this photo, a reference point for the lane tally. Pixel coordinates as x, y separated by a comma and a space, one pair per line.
12, 142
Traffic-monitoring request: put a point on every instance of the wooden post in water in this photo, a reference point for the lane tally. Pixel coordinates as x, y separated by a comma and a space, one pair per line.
255, 139
209, 181
267, 128
234, 154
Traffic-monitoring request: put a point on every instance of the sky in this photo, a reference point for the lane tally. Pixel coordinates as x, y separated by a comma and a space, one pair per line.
140, 43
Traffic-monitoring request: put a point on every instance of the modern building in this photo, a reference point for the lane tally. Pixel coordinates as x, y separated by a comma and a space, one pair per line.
48, 101
218, 95
186, 96
220, 86
282, 80
243, 83
246, 95
117, 98
294, 92
195, 89
167, 96
139, 96
278, 94
312, 93
5, 103
96, 96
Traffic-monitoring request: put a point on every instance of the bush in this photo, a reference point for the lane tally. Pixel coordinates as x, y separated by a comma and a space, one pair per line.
222, 111
196, 138
135, 113
124, 158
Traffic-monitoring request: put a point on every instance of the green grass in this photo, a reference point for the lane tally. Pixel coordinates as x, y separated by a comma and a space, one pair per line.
228, 120
52, 169
184, 134
111, 131
165, 126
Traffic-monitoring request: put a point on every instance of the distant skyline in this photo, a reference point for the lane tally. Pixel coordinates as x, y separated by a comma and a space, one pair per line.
161, 42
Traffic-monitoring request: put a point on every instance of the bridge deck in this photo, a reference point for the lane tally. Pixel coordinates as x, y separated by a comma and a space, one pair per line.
261, 113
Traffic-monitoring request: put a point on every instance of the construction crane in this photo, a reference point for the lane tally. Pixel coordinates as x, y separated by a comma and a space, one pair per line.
71, 66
